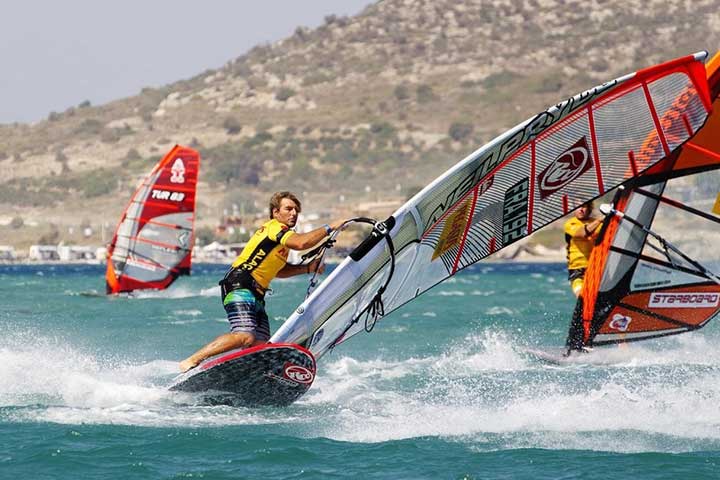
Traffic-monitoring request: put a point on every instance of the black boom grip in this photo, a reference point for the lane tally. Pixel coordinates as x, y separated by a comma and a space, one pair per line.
378, 233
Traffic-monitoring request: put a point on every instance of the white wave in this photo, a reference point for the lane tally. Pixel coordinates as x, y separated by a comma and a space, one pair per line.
483, 387
498, 311
480, 353
190, 313
482, 293
191, 321
448, 293
660, 396
49, 381
395, 328
177, 291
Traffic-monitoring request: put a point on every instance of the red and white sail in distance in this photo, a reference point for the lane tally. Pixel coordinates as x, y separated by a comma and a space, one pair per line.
528, 177
636, 287
153, 242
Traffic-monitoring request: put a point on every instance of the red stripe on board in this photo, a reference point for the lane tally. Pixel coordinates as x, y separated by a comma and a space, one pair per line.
565, 204
531, 207
242, 352
656, 119
593, 137
633, 163
492, 245
467, 229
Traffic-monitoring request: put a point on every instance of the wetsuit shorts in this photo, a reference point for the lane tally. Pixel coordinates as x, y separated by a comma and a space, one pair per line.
246, 313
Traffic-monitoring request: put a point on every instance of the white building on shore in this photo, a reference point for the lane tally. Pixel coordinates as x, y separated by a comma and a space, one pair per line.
7, 252
43, 253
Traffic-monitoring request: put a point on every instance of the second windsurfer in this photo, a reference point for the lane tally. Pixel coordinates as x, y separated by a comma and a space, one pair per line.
580, 234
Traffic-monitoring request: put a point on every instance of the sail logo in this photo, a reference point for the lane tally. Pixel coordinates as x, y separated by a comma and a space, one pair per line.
684, 300
620, 322
158, 194
515, 207
298, 374
568, 166
672, 123
177, 171
453, 230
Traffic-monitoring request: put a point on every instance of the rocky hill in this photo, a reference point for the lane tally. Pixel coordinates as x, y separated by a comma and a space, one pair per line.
366, 108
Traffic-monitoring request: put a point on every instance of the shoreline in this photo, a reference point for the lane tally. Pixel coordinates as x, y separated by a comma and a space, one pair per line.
3, 263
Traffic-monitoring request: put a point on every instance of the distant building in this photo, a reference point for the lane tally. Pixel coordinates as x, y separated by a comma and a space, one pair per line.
7, 252
68, 253
43, 252
101, 253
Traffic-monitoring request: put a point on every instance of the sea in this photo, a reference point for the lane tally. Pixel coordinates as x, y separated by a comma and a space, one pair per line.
442, 388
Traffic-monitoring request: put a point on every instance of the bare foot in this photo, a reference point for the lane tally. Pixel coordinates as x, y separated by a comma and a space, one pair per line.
187, 364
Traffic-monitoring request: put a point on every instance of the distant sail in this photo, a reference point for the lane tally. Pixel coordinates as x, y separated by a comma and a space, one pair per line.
636, 287
153, 242
528, 177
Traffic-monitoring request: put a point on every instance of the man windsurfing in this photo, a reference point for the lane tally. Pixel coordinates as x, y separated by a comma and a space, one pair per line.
580, 234
263, 258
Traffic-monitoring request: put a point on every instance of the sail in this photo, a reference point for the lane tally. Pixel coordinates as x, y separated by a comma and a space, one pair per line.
636, 288
152, 244
528, 177
648, 288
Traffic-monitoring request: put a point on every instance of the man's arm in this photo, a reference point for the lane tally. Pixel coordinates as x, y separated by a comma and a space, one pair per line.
586, 230
303, 241
292, 270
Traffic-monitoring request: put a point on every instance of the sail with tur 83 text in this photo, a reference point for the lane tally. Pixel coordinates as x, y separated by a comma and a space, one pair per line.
153, 241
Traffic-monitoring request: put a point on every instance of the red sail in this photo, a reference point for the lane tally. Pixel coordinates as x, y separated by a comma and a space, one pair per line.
153, 241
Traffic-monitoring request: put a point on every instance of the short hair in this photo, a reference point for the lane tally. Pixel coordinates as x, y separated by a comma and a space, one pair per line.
277, 198
590, 204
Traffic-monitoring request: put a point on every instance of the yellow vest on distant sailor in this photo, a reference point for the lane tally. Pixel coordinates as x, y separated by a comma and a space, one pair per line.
578, 248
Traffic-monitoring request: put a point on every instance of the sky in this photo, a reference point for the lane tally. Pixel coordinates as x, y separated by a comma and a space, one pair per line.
57, 54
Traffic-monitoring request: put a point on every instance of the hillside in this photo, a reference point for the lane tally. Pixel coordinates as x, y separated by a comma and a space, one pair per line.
369, 108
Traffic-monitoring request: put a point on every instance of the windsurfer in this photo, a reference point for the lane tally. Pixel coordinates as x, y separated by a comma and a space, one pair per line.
580, 233
263, 258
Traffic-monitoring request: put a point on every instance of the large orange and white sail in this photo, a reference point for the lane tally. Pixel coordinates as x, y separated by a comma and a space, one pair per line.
655, 271
153, 241
523, 180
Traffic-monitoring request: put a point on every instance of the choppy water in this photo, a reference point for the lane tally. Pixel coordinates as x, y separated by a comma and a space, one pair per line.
440, 389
